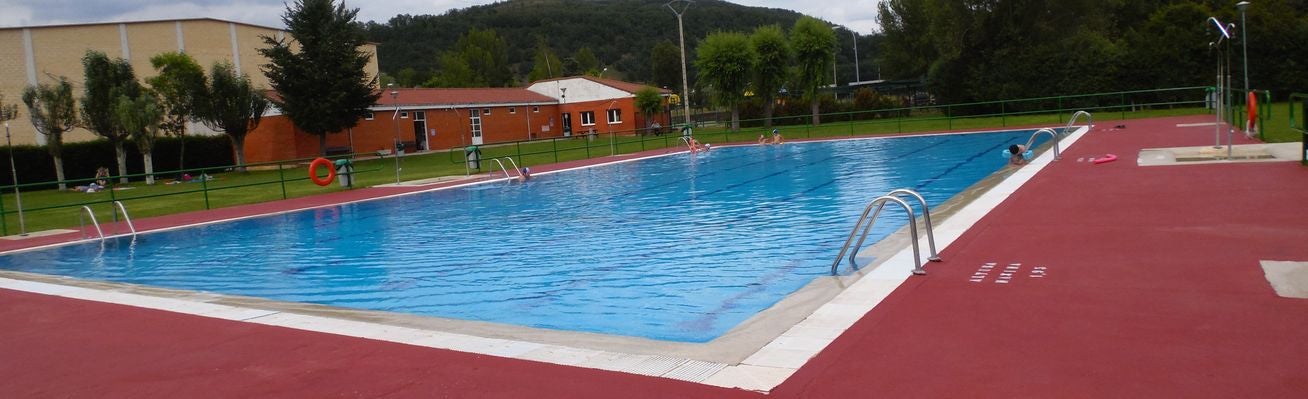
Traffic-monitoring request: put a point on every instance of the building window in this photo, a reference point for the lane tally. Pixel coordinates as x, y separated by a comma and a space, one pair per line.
368, 116
535, 108
485, 112
419, 115
588, 118
513, 110
615, 116
404, 115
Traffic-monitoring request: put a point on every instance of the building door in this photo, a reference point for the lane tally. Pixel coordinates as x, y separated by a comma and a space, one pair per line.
567, 124
420, 130
475, 116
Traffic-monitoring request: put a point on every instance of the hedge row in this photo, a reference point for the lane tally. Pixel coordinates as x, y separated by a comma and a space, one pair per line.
34, 163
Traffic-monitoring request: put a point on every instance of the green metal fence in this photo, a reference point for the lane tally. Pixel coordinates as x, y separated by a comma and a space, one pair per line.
1300, 101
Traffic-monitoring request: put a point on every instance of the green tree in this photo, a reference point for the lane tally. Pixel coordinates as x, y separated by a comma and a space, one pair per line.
235, 107
586, 62
726, 62
140, 116
319, 77
53, 112
180, 84
544, 64
665, 64
907, 50
106, 81
478, 59
814, 44
772, 66
648, 102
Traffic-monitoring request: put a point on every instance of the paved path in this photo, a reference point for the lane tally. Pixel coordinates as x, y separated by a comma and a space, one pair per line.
1149, 286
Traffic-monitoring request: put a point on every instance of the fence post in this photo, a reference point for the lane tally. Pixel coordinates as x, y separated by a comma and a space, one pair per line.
4, 220
1003, 113
281, 176
518, 149
204, 187
1123, 106
555, 143
949, 118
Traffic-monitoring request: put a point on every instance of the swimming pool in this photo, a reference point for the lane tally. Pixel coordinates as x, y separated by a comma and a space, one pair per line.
678, 248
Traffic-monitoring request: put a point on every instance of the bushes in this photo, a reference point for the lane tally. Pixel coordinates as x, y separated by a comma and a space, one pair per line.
81, 159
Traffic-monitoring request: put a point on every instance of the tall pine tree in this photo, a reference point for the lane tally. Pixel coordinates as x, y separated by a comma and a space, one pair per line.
321, 81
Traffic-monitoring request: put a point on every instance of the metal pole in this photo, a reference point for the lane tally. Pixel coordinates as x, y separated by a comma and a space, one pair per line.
22, 227
395, 120
1244, 41
685, 86
857, 77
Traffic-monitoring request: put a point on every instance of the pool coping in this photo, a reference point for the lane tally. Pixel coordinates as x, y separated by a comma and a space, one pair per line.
763, 370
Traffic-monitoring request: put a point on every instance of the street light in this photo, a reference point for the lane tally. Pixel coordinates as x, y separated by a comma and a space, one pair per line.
18, 197
857, 78
395, 120
1244, 46
685, 87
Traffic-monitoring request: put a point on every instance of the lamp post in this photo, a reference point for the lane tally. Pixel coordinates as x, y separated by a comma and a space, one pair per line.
1244, 41
857, 77
685, 86
18, 197
612, 138
395, 120
1220, 93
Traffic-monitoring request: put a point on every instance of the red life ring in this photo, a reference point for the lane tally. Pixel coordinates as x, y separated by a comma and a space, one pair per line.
1106, 158
1253, 107
313, 171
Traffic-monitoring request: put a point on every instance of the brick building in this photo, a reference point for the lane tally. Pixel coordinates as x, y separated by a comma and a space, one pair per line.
437, 119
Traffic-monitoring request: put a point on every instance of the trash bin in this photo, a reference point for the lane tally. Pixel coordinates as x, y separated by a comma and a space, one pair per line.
345, 172
399, 147
685, 130
473, 155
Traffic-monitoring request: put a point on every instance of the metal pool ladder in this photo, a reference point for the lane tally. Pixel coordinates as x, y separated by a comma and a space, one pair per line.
505, 170
1053, 136
1090, 121
81, 221
126, 217
880, 203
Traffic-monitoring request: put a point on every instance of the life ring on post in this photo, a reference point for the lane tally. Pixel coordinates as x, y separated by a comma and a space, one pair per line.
313, 171
1253, 109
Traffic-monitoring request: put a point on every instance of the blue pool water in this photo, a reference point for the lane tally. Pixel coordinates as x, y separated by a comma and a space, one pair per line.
679, 248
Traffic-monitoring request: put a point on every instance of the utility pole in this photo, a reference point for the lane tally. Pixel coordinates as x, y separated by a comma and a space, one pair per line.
685, 85
857, 77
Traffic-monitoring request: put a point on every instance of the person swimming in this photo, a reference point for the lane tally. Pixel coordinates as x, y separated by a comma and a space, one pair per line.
1018, 157
524, 174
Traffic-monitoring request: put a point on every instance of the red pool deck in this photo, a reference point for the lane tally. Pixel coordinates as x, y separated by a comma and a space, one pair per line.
1148, 286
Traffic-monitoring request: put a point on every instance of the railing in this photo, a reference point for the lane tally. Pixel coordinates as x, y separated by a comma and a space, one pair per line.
127, 218
1089, 121
200, 192
82, 222
1053, 137
879, 204
1302, 126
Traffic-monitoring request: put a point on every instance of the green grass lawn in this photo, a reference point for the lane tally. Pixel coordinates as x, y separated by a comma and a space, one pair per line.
48, 209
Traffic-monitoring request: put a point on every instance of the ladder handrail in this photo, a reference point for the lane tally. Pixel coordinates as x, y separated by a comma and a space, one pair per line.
880, 203
926, 215
126, 217
1090, 121
515, 165
1052, 135
81, 221
506, 171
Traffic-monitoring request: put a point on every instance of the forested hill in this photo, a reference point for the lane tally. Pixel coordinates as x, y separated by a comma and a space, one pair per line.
620, 33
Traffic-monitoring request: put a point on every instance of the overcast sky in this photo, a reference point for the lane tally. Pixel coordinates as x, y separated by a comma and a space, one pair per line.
859, 15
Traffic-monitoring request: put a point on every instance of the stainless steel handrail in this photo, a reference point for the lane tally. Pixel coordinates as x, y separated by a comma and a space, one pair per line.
926, 215
126, 217
515, 165
1052, 136
879, 203
81, 221
501, 163
1089, 121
